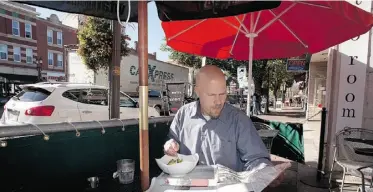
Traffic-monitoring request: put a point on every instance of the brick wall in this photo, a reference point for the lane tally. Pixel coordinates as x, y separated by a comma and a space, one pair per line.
68, 37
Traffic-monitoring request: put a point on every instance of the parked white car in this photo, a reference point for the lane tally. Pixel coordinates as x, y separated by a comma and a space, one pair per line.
65, 102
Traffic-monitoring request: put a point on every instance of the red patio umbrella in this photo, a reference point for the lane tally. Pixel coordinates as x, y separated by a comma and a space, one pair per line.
292, 29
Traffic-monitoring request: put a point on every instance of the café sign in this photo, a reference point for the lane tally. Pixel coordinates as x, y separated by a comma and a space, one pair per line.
298, 64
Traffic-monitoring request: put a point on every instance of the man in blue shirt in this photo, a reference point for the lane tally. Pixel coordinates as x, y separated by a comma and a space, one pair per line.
217, 131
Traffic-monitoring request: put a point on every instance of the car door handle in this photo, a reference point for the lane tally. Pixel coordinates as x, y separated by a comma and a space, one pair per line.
86, 111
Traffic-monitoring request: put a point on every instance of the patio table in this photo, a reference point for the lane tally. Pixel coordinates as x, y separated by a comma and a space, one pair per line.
111, 185
159, 184
367, 146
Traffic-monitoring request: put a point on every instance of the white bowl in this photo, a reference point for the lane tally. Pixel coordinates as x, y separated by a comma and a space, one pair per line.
179, 169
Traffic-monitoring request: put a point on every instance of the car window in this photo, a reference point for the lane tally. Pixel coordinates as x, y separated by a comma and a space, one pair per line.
153, 93
32, 94
72, 95
94, 97
125, 101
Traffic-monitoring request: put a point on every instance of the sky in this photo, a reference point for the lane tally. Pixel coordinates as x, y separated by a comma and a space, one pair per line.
155, 31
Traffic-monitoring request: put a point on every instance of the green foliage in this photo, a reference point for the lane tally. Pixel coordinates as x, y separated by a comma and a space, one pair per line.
278, 75
96, 41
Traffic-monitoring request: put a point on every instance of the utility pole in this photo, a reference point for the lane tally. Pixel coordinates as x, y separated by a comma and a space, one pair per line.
114, 72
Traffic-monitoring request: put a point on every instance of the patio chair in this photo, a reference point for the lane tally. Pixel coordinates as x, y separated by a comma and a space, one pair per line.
353, 150
266, 140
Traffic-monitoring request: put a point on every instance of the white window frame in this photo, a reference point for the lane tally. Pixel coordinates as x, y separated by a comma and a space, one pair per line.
49, 32
59, 56
2, 46
26, 31
17, 51
50, 58
15, 25
29, 55
59, 37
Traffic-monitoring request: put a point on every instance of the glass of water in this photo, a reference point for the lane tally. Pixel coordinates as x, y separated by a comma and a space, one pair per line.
125, 171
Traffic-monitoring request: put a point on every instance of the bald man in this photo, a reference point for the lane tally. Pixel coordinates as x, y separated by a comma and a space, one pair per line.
217, 131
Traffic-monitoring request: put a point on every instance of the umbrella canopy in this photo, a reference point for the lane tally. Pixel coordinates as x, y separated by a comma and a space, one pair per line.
292, 29
167, 10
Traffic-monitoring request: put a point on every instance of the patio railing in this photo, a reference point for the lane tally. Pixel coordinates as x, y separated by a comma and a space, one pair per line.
41, 157
57, 156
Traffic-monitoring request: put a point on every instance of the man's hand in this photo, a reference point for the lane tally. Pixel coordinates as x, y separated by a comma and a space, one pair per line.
281, 168
171, 147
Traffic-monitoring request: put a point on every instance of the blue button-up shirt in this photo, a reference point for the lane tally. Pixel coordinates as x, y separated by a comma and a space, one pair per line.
230, 140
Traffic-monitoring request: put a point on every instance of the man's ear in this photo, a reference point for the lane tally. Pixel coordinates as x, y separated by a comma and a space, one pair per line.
196, 90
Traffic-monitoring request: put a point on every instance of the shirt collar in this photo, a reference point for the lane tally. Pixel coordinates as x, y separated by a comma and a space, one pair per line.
197, 113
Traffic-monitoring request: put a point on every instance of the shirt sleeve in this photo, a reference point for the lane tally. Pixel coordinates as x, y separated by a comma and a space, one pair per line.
175, 127
252, 150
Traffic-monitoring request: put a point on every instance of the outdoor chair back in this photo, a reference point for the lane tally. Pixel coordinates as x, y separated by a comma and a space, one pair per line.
353, 152
266, 140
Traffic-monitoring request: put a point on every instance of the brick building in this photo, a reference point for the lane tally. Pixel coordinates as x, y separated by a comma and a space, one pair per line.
31, 47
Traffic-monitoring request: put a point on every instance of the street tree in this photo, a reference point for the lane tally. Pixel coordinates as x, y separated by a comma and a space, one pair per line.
278, 75
96, 42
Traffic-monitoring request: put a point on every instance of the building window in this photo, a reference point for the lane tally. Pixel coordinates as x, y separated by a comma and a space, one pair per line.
50, 36
15, 27
3, 52
17, 54
28, 30
14, 14
59, 38
50, 58
29, 55
59, 60
2, 11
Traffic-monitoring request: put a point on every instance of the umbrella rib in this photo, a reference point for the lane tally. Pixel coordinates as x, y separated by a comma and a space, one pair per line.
241, 23
238, 31
185, 30
232, 25
315, 5
276, 18
291, 31
257, 20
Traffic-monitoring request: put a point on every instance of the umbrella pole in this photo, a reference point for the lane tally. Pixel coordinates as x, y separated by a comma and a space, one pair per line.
143, 90
251, 37
250, 71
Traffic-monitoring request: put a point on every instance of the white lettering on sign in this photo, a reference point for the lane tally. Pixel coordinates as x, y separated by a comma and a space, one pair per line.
351, 92
56, 78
